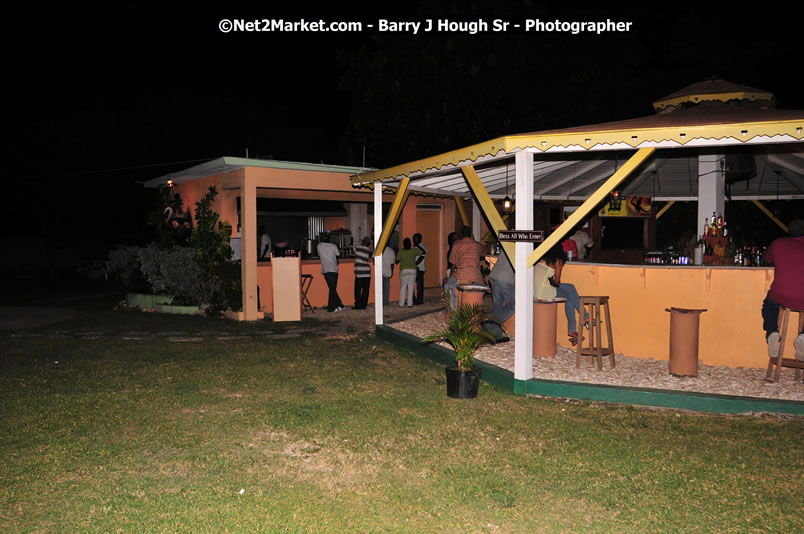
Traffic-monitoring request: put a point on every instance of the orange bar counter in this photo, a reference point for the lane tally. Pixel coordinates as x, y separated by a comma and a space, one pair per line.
730, 332
319, 292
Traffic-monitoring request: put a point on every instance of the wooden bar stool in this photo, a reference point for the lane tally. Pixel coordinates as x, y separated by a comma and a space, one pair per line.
306, 282
780, 361
595, 347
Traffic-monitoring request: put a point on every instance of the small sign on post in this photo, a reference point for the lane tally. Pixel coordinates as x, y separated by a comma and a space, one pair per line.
535, 236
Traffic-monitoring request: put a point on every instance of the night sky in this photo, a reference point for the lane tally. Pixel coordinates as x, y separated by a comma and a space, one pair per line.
100, 99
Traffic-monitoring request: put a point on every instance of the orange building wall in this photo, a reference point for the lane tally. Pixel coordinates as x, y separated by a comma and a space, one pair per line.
730, 330
226, 201
334, 223
407, 225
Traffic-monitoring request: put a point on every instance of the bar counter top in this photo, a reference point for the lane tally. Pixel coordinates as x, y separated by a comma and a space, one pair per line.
667, 266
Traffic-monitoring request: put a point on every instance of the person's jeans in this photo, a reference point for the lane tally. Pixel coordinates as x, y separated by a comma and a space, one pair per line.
407, 279
451, 288
573, 303
386, 289
770, 316
503, 304
334, 301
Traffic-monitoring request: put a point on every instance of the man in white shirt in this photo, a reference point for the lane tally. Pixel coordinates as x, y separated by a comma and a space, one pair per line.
328, 253
265, 244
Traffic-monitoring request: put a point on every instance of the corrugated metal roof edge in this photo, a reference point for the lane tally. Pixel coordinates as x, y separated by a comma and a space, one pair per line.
739, 132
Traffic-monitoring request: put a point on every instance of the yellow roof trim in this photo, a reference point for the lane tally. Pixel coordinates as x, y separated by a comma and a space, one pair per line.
634, 137
721, 97
744, 131
470, 153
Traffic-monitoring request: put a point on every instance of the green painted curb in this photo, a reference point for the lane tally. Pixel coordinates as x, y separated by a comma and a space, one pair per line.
702, 402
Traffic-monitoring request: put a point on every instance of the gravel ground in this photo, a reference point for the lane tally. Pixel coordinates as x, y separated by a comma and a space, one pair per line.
629, 371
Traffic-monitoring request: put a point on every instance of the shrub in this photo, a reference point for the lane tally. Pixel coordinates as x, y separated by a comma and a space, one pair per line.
211, 241
124, 263
175, 272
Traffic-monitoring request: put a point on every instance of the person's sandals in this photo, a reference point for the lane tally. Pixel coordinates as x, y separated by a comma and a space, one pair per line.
573, 338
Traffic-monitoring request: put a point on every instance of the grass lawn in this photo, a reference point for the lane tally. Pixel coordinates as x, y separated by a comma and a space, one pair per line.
309, 434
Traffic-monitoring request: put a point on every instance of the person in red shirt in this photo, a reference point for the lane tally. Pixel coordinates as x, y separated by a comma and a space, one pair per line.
786, 254
465, 257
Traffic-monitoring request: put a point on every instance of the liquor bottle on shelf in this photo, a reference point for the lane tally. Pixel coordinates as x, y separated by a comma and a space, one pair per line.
720, 221
725, 230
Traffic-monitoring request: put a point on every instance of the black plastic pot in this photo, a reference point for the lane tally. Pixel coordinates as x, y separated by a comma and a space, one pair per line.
462, 384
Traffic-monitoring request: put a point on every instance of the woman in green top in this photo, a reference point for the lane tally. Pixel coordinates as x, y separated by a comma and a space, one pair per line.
547, 283
406, 258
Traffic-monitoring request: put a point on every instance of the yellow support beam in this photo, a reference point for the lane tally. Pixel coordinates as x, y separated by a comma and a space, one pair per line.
490, 233
770, 215
589, 204
665, 208
400, 198
461, 210
487, 207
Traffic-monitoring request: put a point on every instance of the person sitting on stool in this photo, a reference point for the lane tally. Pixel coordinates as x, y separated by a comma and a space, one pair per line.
786, 254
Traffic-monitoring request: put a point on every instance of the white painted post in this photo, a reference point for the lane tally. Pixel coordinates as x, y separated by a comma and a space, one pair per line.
711, 188
523, 277
377, 259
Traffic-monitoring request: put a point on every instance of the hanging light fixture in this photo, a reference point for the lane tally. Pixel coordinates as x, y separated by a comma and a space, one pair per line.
615, 200
507, 204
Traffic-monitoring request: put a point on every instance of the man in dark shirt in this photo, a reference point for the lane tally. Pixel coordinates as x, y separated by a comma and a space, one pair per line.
421, 268
786, 254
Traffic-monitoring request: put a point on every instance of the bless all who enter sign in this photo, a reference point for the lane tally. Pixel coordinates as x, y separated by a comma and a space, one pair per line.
521, 235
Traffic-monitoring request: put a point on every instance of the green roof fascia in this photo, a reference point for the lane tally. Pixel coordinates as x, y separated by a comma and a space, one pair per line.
230, 163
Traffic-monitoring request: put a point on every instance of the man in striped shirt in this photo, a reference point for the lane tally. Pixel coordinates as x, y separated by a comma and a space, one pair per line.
362, 273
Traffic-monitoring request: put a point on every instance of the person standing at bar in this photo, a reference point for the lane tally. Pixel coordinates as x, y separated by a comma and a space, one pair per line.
786, 254
329, 252
421, 268
502, 294
362, 273
406, 258
265, 245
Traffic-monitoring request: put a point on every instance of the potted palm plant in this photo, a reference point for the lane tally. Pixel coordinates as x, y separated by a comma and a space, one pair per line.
465, 332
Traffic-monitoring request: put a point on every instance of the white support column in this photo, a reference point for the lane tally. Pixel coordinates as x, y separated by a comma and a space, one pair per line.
377, 259
476, 218
523, 276
711, 188
357, 220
